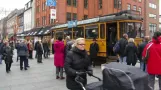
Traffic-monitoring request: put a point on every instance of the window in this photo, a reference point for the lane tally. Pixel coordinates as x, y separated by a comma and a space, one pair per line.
139, 0
44, 20
37, 22
85, 16
100, 4
78, 32
153, 16
128, 7
38, 9
59, 33
75, 3
139, 10
74, 16
134, 8
102, 31
68, 32
117, 4
152, 6
92, 31
43, 6
68, 16
69, 2
152, 27
85, 3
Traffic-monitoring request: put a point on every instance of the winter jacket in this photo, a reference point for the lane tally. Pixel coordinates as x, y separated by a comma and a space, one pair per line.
131, 53
7, 53
140, 50
122, 43
154, 60
94, 48
59, 54
68, 46
39, 48
22, 49
76, 61
45, 47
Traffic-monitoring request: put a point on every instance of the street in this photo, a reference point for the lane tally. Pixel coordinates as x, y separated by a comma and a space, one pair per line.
37, 77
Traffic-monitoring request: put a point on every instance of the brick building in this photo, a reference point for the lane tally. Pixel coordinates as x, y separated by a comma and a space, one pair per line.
82, 9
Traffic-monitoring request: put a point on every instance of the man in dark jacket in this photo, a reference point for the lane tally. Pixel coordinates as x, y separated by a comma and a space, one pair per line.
23, 54
1, 50
39, 50
122, 43
46, 48
35, 48
94, 48
7, 52
140, 50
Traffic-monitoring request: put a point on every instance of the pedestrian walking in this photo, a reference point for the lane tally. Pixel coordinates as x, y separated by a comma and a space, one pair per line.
23, 54
16, 46
39, 50
152, 52
46, 48
94, 49
59, 57
76, 62
35, 48
30, 49
8, 54
1, 50
131, 52
140, 50
122, 44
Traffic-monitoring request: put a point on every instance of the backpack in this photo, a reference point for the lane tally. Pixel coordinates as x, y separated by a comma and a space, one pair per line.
116, 47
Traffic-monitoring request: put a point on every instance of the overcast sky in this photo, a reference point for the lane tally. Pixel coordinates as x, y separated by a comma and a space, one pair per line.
12, 4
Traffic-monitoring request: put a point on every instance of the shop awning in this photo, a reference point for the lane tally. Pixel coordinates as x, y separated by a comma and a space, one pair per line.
44, 31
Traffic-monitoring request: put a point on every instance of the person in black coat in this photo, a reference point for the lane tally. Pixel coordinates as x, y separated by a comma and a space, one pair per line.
140, 50
122, 43
131, 52
94, 48
46, 48
8, 54
39, 50
76, 62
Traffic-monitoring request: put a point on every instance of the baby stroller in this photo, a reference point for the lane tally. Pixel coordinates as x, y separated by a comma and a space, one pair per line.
91, 86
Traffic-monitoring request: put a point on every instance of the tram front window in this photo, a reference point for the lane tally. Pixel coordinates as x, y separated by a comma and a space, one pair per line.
133, 29
92, 31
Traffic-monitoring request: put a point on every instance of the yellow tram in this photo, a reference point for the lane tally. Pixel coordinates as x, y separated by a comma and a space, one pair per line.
107, 29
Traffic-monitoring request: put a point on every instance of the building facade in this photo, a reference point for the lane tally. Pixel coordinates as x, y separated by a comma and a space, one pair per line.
28, 16
160, 22
68, 10
151, 17
20, 21
12, 22
33, 13
3, 25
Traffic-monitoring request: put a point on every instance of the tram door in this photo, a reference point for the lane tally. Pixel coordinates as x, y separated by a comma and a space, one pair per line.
111, 38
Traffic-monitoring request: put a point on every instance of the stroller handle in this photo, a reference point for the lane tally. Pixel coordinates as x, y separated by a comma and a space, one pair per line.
77, 79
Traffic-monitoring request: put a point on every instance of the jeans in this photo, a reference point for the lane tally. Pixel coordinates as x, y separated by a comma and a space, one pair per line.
152, 81
143, 66
122, 60
59, 70
0, 59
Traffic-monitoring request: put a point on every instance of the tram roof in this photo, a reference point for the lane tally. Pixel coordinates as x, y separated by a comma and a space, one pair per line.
111, 17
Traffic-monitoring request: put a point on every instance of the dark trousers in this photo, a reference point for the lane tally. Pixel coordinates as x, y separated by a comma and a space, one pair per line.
133, 63
30, 54
152, 81
59, 70
93, 61
36, 54
23, 59
45, 54
39, 58
8, 66
17, 58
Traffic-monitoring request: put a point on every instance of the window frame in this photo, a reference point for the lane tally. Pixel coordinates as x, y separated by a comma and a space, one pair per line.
75, 3
135, 9
69, 2
70, 15
100, 4
86, 4
128, 6
98, 35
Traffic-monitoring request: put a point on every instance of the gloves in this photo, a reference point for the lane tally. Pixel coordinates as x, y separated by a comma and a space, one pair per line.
80, 73
90, 73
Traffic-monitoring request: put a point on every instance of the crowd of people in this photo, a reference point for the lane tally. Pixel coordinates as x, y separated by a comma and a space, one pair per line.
73, 57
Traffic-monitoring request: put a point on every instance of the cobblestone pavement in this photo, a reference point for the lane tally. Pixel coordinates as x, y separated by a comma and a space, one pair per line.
37, 77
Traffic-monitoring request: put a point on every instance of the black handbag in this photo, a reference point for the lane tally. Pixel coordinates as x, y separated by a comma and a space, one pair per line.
145, 59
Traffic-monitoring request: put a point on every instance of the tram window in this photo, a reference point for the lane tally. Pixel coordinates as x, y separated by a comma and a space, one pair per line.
131, 28
102, 31
78, 32
68, 32
92, 32
59, 34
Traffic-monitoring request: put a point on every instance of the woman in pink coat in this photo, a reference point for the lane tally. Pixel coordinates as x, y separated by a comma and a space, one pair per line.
59, 57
